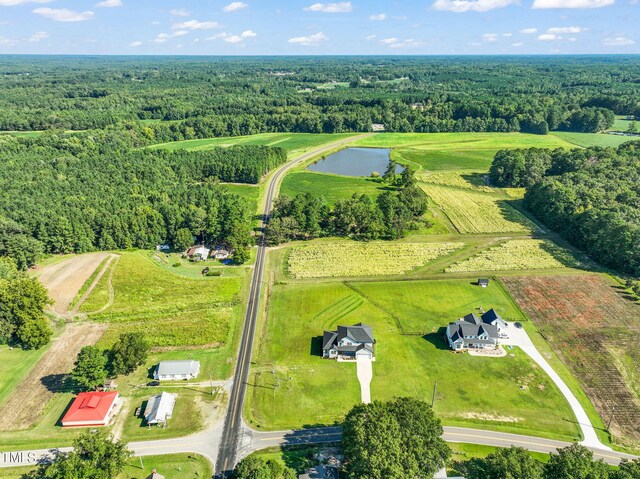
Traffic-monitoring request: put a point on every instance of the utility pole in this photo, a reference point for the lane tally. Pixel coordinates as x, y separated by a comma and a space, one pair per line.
433, 397
613, 410
141, 464
211, 382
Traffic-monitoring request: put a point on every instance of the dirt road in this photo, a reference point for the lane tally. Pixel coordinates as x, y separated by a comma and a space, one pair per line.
63, 280
28, 401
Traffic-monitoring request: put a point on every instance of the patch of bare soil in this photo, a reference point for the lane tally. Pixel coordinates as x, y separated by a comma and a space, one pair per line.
63, 280
28, 401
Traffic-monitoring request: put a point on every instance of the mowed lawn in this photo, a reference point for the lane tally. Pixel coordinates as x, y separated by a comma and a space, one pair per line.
172, 310
15, 364
509, 394
456, 151
592, 139
331, 187
292, 142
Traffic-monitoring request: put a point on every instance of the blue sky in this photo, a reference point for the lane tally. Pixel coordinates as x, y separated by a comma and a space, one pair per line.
269, 27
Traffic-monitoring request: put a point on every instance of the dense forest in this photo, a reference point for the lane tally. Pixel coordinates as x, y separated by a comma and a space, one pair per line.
62, 194
183, 98
590, 196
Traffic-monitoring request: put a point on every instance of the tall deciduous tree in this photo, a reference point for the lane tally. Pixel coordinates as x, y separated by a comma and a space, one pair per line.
129, 352
397, 439
573, 462
90, 367
95, 456
511, 463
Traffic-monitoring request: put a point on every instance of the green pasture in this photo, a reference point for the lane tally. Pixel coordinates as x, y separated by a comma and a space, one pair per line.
294, 143
332, 187
288, 367
173, 310
586, 140
15, 365
249, 192
455, 151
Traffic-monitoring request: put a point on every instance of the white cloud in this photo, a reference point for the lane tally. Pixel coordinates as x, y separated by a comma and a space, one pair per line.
135, 44
507, 34
229, 38
378, 17
565, 30
472, 5
63, 14
407, 43
572, 3
234, 7
619, 41
517, 44
11, 3
340, 7
370, 37
549, 37
528, 31
4, 41
389, 41
38, 36
195, 25
109, 3
163, 37
179, 12
314, 39
218, 35
490, 37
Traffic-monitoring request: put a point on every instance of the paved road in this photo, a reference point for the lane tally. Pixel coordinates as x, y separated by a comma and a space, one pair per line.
233, 422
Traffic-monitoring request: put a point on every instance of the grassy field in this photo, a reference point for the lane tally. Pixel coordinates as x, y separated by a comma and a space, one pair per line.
171, 466
193, 406
294, 143
15, 365
173, 310
289, 367
621, 123
591, 139
477, 212
524, 254
320, 260
456, 151
591, 324
331, 187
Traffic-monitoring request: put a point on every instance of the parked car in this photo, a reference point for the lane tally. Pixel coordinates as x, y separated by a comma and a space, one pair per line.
153, 383
518, 325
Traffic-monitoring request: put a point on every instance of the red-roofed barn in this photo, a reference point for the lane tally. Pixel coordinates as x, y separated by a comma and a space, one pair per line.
91, 409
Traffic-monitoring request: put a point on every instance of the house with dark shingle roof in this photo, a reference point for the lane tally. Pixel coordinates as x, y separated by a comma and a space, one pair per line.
476, 332
348, 342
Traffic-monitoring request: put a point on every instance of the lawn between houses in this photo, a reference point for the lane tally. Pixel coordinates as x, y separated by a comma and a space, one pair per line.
289, 369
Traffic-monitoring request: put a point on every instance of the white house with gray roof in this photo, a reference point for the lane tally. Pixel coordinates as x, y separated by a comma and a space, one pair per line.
348, 342
176, 370
473, 332
160, 408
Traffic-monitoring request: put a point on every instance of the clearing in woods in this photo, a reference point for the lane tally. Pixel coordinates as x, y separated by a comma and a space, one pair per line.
63, 280
592, 324
28, 401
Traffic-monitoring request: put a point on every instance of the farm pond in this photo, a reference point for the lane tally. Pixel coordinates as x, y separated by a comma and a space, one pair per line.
355, 162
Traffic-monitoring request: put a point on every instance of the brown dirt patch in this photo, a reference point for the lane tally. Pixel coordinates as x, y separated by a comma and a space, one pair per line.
28, 401
592, 324
63, 280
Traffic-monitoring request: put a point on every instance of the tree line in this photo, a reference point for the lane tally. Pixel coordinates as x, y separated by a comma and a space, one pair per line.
175, 99
390, 216
73, 194
590, 196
